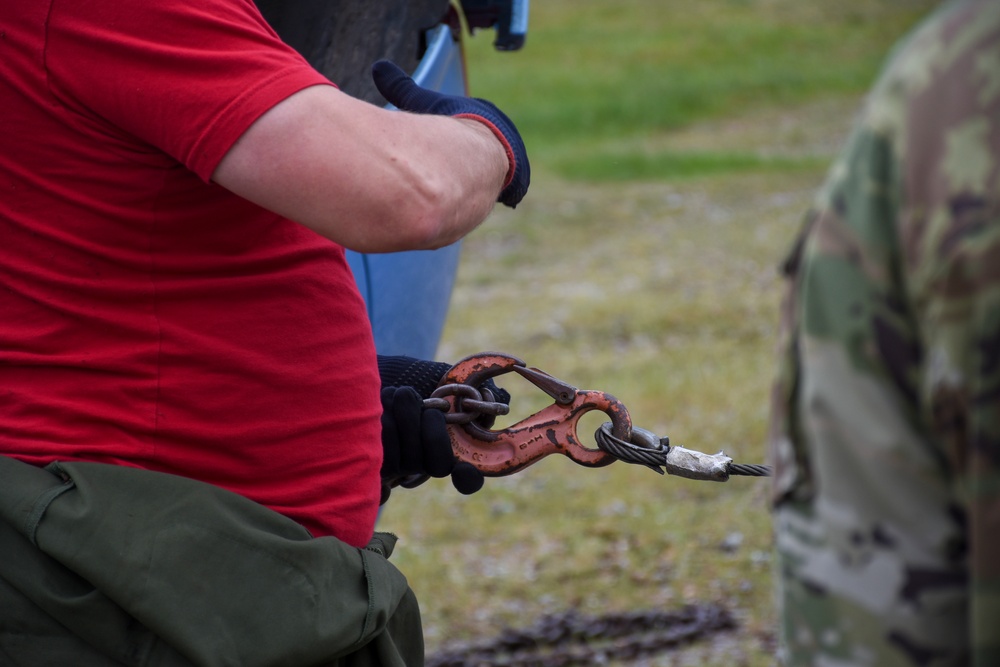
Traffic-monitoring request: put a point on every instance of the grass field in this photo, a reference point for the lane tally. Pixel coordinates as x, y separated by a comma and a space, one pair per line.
674, 146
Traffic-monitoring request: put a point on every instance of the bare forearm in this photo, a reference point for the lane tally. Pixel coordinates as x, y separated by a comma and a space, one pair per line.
369, 179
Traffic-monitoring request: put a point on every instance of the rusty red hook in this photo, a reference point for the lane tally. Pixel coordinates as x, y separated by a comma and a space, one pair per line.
551, 430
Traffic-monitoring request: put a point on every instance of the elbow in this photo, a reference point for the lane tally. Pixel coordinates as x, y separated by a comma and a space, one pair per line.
424, 218
394, 220
432, 230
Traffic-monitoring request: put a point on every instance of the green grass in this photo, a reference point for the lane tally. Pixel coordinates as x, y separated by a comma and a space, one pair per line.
633, 165
643, 262
663, 294
593, 71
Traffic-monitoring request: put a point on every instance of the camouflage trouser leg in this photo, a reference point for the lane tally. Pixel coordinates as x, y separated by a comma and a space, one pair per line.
886, 428
821, 626
869, 530
841, 604
870, 561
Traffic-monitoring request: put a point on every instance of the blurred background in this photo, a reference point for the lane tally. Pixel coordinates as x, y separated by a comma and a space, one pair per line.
675, 147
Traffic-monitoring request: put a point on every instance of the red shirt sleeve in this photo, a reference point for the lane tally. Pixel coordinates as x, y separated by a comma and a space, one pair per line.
187, 78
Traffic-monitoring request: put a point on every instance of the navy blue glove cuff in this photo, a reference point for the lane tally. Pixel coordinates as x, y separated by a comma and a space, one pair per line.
424, 376
401, 371
401, 91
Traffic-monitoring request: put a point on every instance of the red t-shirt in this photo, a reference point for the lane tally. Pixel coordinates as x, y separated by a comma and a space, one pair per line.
149, 317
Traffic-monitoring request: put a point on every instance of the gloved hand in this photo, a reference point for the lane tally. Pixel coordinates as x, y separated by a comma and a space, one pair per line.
401, 91
416, 445
415, 440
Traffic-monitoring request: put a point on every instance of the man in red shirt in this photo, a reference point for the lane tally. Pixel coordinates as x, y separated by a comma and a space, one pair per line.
179, 187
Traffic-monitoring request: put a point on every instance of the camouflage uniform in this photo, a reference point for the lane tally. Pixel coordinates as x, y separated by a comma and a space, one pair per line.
886, 427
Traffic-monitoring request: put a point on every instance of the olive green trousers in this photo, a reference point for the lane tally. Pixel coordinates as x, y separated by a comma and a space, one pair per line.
110, 565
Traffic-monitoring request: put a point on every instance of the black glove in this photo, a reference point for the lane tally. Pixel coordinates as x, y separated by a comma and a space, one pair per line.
401, 91
416, 445
415, 440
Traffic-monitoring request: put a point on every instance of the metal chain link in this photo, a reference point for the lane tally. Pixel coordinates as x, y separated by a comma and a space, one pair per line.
572, 638
471, 404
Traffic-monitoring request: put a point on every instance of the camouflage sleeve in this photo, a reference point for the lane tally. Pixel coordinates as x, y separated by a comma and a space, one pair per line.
886, 423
